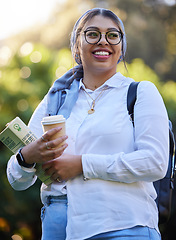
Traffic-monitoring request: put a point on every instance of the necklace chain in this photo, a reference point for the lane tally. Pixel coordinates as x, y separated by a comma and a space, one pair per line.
92, 106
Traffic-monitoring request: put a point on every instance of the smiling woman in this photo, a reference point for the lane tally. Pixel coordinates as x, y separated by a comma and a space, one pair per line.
81, 23
98, 51
102, 178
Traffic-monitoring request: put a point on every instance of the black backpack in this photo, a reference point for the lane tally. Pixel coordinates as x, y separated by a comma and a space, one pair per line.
165, 186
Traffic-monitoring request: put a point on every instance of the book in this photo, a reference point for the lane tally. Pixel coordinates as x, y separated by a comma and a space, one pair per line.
17, 135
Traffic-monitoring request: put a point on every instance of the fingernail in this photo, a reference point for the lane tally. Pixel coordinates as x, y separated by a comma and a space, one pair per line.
65, 137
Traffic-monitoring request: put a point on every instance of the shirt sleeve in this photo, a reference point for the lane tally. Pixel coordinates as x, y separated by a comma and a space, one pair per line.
149, 160
21, 178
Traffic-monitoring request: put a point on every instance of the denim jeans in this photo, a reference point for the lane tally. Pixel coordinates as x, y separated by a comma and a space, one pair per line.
54, 221
135, 233
54, 218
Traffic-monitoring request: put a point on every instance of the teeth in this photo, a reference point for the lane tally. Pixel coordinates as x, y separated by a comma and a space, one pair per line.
102, 53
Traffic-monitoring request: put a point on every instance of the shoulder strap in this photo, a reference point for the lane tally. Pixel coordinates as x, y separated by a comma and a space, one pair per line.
131, 98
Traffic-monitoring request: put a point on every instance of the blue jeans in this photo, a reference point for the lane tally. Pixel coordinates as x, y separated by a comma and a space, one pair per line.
54, 221
135, 233
54, 218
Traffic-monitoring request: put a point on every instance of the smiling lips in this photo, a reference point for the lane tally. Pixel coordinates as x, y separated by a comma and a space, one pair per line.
101, 54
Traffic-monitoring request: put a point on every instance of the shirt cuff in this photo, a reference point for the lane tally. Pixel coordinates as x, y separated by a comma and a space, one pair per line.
22, 170
98, 166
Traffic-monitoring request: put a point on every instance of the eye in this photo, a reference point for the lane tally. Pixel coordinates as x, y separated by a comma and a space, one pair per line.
113, 35
92, 34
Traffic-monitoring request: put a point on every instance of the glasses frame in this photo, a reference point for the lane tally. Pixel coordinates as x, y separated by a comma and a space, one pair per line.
120, 32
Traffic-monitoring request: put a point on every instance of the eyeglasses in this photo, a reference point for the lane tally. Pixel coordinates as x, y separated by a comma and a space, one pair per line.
94, 36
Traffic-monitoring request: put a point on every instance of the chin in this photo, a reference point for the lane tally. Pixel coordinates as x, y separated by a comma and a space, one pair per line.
104, 67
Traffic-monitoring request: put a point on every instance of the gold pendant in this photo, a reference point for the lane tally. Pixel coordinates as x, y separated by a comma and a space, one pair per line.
91, 111
92, 108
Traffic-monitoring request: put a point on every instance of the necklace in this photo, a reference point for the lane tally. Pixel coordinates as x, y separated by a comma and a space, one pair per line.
92, 106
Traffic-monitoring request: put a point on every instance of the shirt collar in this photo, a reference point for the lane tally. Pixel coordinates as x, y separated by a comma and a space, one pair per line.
116, 81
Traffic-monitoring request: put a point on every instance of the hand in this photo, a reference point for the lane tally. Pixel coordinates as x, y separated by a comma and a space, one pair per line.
44, 149
63, 168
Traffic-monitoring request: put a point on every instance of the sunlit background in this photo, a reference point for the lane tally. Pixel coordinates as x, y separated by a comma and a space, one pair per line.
20, 14
35, 50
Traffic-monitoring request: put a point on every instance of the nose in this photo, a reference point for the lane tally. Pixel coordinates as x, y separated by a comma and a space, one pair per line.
103, 39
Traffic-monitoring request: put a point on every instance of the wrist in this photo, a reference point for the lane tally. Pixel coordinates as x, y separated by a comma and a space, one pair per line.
79, 161
81, 168
21, 160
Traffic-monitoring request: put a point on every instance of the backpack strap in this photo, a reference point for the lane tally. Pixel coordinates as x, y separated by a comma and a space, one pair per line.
131, 99
164, 187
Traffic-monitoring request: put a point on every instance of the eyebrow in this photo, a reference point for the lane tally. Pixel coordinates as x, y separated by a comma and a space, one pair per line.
96, 28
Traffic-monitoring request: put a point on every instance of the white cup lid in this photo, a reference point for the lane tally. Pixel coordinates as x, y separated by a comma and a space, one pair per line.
53, 119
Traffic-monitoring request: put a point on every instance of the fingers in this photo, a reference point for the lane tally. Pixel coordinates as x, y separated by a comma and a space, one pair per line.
51, 170
55, 143
52, 142
55, 148
44, 149
47, 148
49, 134
65, 167
50, 147
54, 176
52, 153
51, 166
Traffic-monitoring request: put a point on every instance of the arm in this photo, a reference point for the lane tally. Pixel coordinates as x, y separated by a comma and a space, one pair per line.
65, 167
149, 161
21, 178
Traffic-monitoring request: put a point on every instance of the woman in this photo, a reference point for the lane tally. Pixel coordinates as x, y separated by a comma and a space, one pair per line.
107, 167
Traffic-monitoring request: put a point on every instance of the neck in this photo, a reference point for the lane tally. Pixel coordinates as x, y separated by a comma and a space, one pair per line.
94, 80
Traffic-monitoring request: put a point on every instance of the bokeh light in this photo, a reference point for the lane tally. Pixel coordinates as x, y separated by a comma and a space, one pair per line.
36, 57
26, 49
5, 55
16, 237
22, 105
25, 72
4, 226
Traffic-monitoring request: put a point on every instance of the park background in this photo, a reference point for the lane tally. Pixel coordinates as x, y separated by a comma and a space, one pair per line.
33, 58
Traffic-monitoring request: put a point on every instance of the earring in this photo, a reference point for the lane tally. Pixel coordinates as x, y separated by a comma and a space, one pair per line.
120, 59
78, 59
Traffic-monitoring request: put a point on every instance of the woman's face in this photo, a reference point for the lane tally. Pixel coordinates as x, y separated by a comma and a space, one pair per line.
101, 57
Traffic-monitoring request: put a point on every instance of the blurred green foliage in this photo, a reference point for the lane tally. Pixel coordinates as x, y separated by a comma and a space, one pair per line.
30, 64
24, 81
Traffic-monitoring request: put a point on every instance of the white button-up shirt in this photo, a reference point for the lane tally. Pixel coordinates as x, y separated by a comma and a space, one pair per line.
120, 161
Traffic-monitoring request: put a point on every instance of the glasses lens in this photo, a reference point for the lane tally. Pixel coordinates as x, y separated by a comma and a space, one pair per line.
92, 36
113, 37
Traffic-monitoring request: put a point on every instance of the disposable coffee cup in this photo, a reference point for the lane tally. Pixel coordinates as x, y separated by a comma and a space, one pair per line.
53, 122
